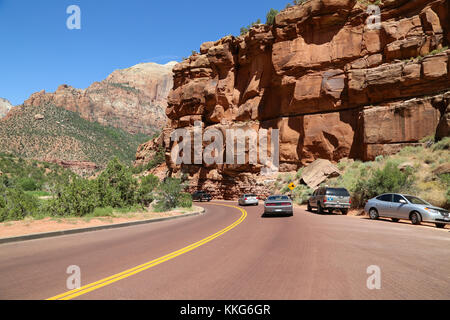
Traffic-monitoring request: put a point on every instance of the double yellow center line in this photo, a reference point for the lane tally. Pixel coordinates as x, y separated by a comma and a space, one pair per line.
128, 273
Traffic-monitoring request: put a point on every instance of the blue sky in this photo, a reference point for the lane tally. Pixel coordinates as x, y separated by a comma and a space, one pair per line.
38, 51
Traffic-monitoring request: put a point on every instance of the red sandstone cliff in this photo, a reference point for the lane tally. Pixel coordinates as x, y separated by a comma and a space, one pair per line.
334, 87
132, 99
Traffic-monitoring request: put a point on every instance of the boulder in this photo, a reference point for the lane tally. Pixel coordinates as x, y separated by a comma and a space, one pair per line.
442, 169
39, 117
318, 172
405, 165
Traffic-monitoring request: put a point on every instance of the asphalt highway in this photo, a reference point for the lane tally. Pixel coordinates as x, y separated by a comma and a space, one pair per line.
231, 254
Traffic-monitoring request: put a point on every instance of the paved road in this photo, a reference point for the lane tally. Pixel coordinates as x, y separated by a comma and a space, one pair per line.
307, 256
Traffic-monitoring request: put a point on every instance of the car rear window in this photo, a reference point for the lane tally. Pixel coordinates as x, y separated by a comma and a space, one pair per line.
340, 192
278, 198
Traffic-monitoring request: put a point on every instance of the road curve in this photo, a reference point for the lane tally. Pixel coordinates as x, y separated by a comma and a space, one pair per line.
307, 256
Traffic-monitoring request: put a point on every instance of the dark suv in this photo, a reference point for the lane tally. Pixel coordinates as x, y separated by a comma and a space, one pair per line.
330, 199
201, 196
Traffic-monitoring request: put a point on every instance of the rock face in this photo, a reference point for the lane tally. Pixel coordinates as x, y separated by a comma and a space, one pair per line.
132, 99
332, 84
148, 150
5, 106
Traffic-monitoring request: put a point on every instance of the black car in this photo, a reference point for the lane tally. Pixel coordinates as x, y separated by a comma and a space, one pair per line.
201, 196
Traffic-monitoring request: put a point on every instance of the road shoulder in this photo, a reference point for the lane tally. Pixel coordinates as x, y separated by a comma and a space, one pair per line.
101, 224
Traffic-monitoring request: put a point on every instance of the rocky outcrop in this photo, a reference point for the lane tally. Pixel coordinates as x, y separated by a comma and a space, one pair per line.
79, 167
147, 151
5, 106
332, 84
318, 172
132, 99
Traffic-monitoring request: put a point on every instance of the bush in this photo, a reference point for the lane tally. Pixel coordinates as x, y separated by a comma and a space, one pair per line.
79, 198
168, 194
28, 184
444, 144
146, 190
301, 194
245, 30
270, 17
185, 200
390, 179
15, 204
116, 186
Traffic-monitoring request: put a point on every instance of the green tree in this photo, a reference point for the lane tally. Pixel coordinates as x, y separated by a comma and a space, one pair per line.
388, 179
168, 194
28, 184
146, 190
270, 17
15, 204
78, 198
116, 186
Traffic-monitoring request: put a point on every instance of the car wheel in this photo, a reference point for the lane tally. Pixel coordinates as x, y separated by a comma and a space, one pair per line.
373, 213
308, 208
319, 209
330, 211
416, 219
395, 220
344, 212
440, 225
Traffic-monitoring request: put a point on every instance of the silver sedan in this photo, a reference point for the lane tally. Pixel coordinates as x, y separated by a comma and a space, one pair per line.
399, 206
248, 200
278, 205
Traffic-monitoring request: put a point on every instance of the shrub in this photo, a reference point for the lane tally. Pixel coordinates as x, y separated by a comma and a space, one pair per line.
15, 204
270, 17
301, 194
168, 194
28, 184
245, 30
78, 198
116, 186
388, 179
185, 200
146, 190
444, 144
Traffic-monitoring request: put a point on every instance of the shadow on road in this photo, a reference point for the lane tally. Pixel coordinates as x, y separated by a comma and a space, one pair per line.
405, 222
275, 216
326, 213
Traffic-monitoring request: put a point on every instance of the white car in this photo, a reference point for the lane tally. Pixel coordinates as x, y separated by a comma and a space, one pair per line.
248, 200
399, 206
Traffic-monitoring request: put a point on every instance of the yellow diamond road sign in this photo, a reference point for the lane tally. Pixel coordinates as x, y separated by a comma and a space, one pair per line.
292, 186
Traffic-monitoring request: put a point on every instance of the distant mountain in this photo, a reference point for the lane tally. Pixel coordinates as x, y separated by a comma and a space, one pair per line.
133, 99
52, 134
5, 106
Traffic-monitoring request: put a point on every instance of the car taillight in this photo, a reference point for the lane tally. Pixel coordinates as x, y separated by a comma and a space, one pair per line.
285, 204
271, 204
245, 199
325, 199
350, 201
